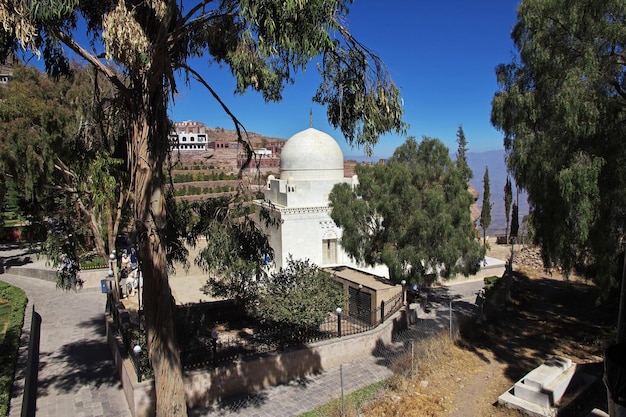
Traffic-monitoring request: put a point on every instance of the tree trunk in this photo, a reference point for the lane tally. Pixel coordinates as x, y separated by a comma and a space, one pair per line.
149, 148
506, 231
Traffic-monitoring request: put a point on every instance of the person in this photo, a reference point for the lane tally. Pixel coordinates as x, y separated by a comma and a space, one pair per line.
125, 263
133, 258
131, 283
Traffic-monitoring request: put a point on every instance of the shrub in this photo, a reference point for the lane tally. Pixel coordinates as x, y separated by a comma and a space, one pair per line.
490, 285
9, 344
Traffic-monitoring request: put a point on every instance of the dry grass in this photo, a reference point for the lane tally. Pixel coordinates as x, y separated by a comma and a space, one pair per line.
429, 388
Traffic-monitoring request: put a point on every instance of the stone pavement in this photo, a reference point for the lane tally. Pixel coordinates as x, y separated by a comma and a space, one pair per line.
76, 372
300, 396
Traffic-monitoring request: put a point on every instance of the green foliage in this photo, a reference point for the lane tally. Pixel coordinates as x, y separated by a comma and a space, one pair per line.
58, 163
298, 297
508, 199
561, 106
10, 343
515, 220
234, 252
485, 212
411, 213
490, 285
461, 157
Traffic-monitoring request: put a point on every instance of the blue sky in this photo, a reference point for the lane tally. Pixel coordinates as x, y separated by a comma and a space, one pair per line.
442, 55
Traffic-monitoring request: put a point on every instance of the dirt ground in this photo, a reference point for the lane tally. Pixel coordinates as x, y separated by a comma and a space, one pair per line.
547, 316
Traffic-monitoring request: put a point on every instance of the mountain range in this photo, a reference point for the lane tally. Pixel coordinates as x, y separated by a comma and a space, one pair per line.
494, 160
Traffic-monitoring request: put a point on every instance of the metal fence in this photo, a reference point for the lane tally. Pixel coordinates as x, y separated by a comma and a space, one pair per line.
204, 348
213, 349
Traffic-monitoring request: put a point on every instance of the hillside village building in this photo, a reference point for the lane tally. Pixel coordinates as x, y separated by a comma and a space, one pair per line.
189, 136
311, 163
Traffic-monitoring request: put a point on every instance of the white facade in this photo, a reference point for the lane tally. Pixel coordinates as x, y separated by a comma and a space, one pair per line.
185, 141
311, 163
189, 136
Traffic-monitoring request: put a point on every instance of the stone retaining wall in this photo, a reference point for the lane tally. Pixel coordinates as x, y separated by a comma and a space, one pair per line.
206, 386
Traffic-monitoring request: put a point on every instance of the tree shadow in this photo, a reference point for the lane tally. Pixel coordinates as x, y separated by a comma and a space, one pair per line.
545, 317
294, 367
17, 260
79, 363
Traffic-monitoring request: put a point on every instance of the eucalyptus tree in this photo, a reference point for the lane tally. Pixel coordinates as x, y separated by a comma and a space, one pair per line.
235, 250
561, 107
262, 42
411, 213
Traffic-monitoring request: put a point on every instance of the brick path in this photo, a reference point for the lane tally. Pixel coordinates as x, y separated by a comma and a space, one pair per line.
76, 372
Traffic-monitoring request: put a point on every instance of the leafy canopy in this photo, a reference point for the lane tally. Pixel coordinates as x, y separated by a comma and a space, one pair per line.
411, 213
298, 297
561, 106
58, 155
263, 43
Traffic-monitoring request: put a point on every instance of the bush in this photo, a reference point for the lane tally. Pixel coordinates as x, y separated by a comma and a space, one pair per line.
490, 285
9, 344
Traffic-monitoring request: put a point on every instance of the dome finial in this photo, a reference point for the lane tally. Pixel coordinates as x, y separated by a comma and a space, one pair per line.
310, 117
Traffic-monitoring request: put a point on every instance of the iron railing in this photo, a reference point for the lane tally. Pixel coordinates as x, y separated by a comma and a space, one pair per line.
205, 350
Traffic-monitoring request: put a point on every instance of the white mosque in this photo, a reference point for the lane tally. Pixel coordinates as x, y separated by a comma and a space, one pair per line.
311, 163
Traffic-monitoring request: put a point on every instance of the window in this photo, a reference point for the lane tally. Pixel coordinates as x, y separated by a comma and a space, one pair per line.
329, 251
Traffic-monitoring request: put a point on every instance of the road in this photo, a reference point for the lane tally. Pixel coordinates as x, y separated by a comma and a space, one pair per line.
462, 295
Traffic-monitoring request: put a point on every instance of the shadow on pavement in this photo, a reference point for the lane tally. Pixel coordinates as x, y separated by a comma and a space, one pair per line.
80, 363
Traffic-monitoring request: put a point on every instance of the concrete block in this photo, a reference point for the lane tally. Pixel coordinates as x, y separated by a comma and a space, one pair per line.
547, 372
541, 393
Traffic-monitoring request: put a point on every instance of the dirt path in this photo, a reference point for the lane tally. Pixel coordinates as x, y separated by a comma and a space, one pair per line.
476, 396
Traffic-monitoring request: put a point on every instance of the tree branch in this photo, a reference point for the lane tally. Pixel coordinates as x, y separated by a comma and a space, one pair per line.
74, 46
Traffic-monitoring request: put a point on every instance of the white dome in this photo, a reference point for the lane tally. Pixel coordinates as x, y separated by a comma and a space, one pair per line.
311, 155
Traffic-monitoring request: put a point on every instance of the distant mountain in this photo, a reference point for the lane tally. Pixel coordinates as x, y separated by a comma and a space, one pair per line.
497, 179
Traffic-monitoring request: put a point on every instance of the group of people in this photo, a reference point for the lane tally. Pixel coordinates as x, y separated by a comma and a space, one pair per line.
130, 276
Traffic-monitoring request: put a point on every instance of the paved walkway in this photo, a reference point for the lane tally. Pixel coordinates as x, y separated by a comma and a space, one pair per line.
76, 372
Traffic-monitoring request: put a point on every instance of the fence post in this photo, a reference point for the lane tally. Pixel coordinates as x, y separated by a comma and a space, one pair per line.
382, 311
412, 361
343, 405
451, 321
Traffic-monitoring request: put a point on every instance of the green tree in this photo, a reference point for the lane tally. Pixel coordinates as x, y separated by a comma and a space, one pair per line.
508, 199
461, 157
298, 298
262, 42
60, 152
561, 106
411, 213
485, 211
234, 252
515, 220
